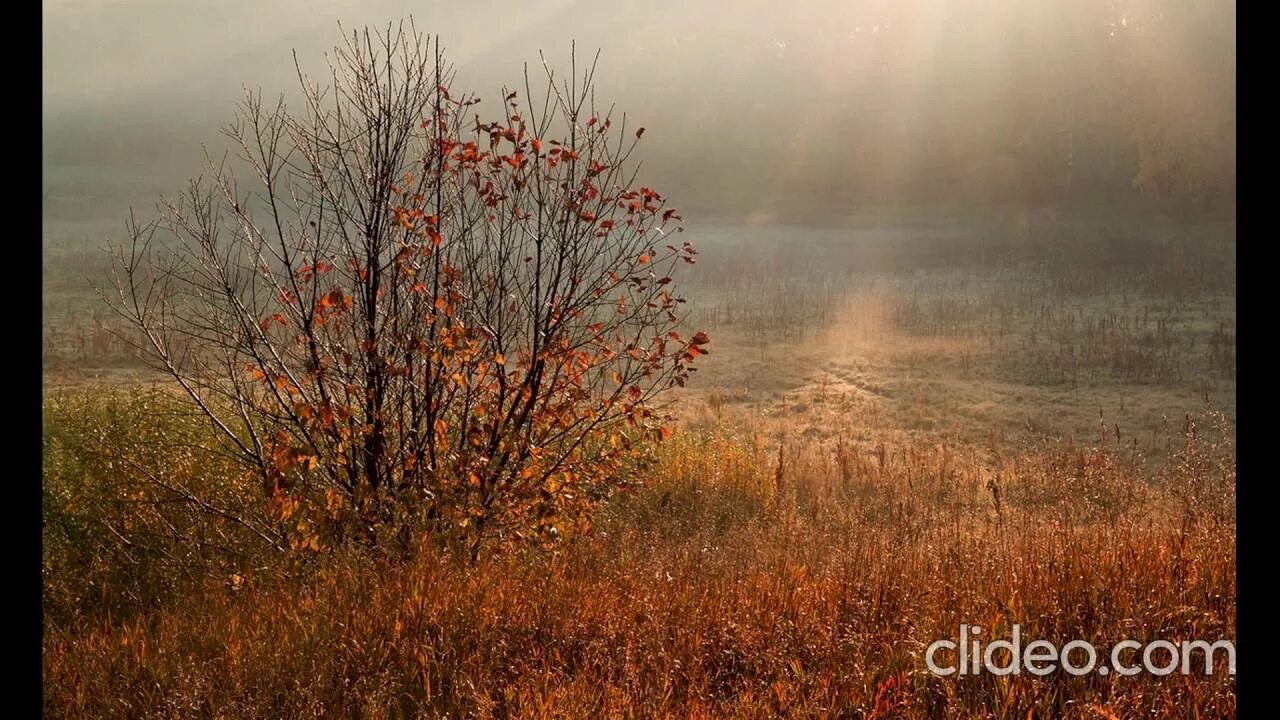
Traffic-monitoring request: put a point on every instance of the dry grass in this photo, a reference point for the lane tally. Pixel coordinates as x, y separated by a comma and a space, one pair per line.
866, 461
746, 582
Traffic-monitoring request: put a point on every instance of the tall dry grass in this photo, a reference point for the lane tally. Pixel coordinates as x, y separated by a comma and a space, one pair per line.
749, 580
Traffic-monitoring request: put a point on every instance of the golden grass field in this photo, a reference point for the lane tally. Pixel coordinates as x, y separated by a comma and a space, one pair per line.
941, 447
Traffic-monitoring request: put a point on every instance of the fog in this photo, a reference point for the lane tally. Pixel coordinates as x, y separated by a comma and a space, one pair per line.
810, 112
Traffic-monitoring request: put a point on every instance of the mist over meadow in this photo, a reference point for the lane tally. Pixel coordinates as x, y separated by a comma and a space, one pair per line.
904, 316
804, 113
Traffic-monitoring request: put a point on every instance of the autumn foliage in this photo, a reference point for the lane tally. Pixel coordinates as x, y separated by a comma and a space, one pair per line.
745, 582
421, 323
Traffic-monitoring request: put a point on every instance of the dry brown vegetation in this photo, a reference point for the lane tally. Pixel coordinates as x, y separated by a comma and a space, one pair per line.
744, 583
877, 450
425, 465
830, 506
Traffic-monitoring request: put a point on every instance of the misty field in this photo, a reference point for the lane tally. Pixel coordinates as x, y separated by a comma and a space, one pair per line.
892, 435
639, 360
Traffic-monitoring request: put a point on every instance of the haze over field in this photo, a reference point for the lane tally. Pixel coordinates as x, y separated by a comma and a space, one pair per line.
801, 112
900, 317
